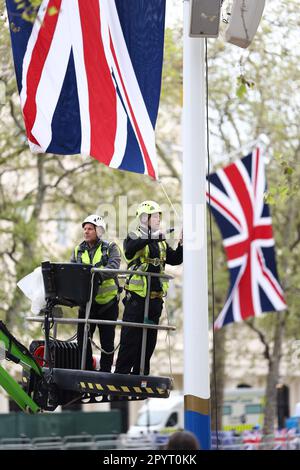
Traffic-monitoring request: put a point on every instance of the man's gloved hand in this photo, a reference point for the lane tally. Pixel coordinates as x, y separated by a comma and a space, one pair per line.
145, 233
155, 234
158, 235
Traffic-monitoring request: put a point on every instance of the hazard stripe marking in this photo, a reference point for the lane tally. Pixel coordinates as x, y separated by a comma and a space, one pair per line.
122, 388
112, 388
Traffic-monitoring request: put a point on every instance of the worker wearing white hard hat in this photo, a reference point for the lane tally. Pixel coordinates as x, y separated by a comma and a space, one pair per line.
101, 254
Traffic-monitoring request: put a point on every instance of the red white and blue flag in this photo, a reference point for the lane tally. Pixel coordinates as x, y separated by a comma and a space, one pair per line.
238, 205
89, 78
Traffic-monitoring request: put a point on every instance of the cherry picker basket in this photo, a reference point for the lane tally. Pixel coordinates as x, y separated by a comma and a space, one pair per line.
67, 283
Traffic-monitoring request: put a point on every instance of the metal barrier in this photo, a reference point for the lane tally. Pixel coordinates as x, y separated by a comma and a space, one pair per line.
47, 443
22, 443
284, 440
79, 442
151, 441
145, 326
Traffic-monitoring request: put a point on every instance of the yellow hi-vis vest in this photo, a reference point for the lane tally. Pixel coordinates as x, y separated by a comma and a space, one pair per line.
140, 262
108, 290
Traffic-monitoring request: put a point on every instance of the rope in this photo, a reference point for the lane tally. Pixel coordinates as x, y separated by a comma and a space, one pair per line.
169, 200
211, 248
69, 340
103, 350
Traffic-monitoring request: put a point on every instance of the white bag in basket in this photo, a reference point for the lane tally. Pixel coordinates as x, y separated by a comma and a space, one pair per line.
32, 286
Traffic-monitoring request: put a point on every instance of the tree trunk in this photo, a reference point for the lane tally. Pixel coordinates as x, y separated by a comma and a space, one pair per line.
28, 241
218, 376
273, 376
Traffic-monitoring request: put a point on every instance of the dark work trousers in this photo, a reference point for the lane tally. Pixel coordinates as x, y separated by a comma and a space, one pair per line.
129, 356
106, 333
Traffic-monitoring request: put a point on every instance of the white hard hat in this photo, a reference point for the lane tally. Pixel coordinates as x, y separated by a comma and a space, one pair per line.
96, 220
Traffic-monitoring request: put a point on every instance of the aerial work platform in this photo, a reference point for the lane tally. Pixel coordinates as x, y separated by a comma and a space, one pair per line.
58, 376
65, 386
104, 383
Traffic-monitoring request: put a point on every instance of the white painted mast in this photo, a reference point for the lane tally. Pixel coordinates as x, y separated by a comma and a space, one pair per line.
195, 289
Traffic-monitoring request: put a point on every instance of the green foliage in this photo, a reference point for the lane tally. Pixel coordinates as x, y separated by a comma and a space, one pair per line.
38, 193
243, 84
239, 113
286, 185
28, 10
172, 68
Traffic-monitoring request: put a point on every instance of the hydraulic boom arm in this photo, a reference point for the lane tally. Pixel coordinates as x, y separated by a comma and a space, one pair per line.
11, 349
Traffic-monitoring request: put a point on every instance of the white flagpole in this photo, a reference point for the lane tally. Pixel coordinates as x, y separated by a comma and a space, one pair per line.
195, 290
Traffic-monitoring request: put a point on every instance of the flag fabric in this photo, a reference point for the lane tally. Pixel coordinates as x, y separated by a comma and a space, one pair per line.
89, 78
238, 205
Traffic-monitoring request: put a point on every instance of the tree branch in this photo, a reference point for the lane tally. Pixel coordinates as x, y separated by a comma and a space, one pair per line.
167, 162
295, 243
262, 339
69, 172
12, 112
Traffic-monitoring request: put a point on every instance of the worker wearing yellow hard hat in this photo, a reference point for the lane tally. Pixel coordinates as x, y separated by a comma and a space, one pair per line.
145, 249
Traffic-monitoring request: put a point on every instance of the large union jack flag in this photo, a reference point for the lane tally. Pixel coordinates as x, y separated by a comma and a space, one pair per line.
237, 202
89, 77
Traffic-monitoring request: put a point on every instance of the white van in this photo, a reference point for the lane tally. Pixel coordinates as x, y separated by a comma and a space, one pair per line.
243, 409
159, 415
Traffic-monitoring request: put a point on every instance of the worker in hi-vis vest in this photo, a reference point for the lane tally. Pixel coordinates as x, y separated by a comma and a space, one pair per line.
145, 249
101, 254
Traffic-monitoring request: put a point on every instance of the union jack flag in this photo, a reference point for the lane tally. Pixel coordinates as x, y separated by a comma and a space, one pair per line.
89, 77
237, 203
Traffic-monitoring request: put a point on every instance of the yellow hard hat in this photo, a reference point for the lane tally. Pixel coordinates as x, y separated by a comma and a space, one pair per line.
148, 207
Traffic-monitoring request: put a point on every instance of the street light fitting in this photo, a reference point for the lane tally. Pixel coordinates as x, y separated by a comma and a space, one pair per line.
204, 18
244, 21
